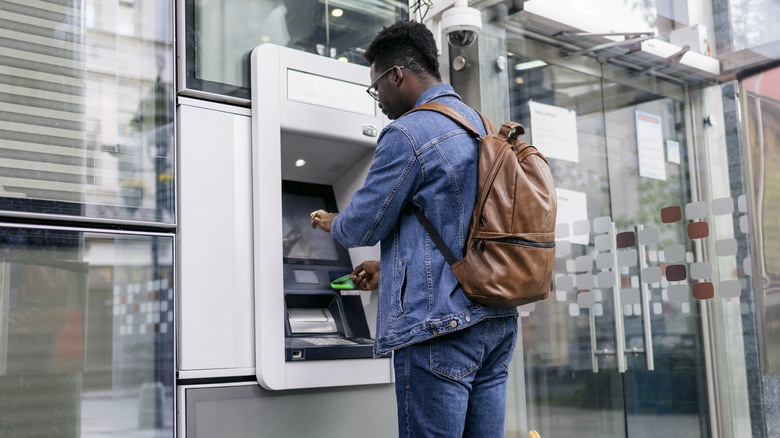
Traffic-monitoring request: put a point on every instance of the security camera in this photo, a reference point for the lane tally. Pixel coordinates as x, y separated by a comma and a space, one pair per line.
461, 23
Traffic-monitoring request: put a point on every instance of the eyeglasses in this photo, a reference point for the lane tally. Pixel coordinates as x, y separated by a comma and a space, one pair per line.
372, 91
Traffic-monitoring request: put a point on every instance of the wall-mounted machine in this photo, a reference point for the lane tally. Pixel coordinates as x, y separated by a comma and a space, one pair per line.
314, 132
324, 316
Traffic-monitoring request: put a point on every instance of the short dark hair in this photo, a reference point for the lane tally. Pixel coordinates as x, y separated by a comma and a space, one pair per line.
406, 43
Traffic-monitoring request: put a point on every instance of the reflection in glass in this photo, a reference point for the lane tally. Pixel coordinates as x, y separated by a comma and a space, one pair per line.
86, 334
695, 268
301, 241
571, 344
221, 35
735, 25
762, 113
88, 116
754, 25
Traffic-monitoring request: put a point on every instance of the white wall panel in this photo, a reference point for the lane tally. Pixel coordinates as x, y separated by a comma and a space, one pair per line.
216, 323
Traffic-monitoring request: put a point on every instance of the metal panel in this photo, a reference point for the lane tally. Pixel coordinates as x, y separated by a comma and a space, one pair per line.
216, 322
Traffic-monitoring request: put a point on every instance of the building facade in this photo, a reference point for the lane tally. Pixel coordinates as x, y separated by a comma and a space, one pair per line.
126, 251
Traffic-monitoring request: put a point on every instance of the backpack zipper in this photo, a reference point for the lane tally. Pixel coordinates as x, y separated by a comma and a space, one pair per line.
480, 243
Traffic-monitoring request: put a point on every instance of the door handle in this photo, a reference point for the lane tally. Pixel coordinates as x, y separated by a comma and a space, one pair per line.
620, 351
594, 353
620, 329
644, 294
620, 332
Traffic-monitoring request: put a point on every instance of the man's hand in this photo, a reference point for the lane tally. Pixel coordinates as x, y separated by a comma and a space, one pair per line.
366, 275
322, 219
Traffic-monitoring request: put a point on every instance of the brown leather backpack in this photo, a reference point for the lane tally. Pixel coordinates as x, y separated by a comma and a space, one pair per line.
510, 249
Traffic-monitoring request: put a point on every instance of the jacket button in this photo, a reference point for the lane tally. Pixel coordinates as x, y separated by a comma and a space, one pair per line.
468, 318
454, 324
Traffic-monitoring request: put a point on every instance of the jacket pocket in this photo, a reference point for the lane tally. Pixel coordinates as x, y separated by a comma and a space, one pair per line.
399, 289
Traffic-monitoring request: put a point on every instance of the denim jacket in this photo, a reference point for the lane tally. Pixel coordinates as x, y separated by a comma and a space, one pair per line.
426, 159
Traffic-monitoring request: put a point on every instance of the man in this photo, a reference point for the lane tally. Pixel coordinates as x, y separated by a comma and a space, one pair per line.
450, 353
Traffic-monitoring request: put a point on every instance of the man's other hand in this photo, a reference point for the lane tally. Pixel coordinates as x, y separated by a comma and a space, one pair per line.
366, 275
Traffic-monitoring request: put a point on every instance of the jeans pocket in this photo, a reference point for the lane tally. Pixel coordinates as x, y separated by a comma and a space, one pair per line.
511, 351
460, 353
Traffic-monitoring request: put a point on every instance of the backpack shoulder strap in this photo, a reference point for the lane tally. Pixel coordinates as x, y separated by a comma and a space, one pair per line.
445, 251
450, 112
457, 117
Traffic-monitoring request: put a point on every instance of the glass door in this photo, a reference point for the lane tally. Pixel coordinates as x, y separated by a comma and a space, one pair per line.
660, 273
618, 348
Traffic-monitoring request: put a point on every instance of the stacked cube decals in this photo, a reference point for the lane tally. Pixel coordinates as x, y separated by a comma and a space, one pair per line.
142, 305
670, 267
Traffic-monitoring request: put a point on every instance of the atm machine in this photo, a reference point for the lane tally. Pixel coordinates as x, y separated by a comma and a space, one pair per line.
324, 316
314, 131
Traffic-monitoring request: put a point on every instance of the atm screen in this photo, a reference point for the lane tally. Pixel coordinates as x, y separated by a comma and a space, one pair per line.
301, 242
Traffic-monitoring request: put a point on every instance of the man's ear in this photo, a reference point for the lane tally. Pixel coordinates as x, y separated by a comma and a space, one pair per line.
398, 76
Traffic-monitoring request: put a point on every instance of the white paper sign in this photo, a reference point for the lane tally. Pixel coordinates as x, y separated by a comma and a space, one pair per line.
572, 207
650, 145
554, 131
673, 151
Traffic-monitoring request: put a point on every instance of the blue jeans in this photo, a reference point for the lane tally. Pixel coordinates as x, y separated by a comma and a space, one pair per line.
455, 385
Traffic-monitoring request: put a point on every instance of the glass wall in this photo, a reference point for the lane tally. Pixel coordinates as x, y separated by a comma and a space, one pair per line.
86, 126
659, 322
623, 295
761, 98
86, 149
220, 35
86, 333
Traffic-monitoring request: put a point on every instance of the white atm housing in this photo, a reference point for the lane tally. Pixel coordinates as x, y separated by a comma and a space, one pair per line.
311, 108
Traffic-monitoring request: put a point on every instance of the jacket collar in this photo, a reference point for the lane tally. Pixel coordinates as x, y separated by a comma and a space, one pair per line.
435, 92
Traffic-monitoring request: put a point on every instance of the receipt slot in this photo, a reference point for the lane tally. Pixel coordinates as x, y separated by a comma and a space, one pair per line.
314, 133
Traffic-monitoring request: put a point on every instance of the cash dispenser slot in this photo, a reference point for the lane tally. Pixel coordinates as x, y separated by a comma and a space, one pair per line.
319, 321
324, 325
